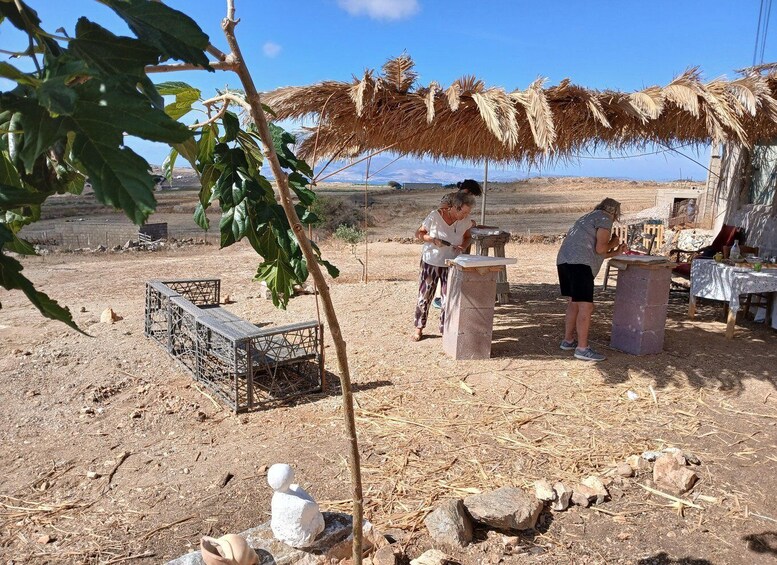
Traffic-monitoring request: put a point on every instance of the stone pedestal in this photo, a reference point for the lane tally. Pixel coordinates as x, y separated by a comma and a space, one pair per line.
469, 312
639, 314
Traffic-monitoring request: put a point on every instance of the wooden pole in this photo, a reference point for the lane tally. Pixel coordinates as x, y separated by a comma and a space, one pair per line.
485, 191
366, 202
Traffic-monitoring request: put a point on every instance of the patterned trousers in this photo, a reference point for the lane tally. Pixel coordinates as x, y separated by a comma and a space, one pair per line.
427, 284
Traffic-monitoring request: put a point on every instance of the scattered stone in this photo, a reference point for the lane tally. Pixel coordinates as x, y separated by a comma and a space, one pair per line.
385, 556
623, 536
511, 541
507, 508
651, 455
563, 497
225, 479
227, 300
92, 475
31, 393
449, 524
45, 538
543, 491
692, 459
595, 483
624, 470
676, 453
432, 557
201, 416
296, 518
108, 316
16, 352
637, 463
583, 495
669, 475
83, 309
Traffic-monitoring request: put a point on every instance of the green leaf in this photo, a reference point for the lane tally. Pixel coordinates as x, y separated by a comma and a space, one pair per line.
200, 217
207, 143
20, 246
10, 72
231, 125
109, 53
253, 152
57, 97
9, 10
234, 224
119, 176
188, 150
40, 130
168, 165
185, 96
280, 279
11, 278
9, 176
13, 197
173, 33
114, 107
299, 184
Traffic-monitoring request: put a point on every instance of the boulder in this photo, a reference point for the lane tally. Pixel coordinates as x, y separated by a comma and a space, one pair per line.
448, 524
507, 508
637, 463
386, 555
583, 495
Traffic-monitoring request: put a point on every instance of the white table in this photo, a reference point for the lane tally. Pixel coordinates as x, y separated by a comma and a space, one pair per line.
718, 281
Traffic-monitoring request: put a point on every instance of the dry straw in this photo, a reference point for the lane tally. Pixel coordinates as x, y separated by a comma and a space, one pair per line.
470, 121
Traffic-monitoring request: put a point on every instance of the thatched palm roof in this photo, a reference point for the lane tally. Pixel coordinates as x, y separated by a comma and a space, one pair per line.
471, 121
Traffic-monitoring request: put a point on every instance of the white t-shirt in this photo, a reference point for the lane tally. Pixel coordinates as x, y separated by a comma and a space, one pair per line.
454, 234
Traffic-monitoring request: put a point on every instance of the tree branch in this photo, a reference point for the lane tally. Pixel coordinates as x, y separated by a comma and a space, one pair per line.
225, 65
221, 56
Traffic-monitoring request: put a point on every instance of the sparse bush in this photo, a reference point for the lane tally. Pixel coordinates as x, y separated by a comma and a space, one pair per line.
334, 212
349, 234
394, 184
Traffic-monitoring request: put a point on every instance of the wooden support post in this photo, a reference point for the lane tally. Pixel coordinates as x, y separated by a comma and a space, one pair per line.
691, 306
731, 320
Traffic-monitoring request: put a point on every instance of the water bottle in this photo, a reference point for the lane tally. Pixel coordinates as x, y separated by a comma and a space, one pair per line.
734, 254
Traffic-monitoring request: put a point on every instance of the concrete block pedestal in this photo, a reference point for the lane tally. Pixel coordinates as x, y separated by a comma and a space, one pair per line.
469, 312
641, 301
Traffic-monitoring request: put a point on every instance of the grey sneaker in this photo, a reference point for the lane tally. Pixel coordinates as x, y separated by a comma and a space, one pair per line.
588, 354
568, 345
437, 303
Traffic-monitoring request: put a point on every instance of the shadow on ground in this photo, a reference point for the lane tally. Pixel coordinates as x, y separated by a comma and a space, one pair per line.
696, 352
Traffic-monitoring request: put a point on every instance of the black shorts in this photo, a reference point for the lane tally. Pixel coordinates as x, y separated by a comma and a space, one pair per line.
576, 281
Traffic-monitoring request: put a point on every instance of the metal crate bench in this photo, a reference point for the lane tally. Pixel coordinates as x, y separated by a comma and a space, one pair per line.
245, 365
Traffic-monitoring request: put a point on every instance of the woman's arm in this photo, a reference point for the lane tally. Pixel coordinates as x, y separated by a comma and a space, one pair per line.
607, 245
467, 239
422, 234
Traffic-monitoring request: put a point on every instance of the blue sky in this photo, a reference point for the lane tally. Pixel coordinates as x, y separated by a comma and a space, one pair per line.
622, 45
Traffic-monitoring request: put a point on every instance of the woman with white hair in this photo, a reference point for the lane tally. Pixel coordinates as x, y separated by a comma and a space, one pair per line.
587, 244
445, 233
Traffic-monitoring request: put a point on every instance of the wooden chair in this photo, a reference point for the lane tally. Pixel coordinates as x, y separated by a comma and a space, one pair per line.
651, 240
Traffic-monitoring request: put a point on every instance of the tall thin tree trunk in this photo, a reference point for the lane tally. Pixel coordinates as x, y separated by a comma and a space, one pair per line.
259, 118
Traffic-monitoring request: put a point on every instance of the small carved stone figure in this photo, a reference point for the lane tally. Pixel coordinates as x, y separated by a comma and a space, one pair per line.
296, 519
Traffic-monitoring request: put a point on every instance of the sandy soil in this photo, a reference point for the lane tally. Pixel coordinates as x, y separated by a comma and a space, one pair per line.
429, 427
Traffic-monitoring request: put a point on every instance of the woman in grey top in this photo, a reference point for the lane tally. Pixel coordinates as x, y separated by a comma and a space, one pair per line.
587, 244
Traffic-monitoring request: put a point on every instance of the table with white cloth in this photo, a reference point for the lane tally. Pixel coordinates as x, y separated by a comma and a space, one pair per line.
719, 281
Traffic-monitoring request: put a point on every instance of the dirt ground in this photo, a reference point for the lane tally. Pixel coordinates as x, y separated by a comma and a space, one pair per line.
429, 427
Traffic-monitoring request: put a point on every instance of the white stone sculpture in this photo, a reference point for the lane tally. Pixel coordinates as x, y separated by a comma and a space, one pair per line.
296, 519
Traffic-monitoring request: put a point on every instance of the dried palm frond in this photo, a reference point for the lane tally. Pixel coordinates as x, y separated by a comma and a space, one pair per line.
648, 103
454, 96
538, 113
434, 88
358, 90
684, 92
399, 73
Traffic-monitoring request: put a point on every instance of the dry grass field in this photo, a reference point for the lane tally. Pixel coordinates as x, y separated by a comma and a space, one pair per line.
115, 404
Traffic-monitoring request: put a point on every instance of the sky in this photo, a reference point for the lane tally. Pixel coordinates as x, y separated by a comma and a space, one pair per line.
623, 45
